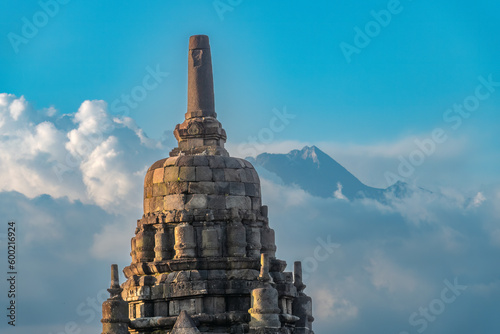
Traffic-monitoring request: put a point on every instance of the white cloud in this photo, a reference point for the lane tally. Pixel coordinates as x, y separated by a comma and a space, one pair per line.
331, 306
338, 193
478, 199
393, 259
387, 275
96, 161
113, 242
17, 107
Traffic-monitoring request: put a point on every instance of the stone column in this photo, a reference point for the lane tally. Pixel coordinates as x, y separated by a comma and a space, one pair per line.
200, 78
145, 244
185, 244
115, 310
297, 277
302, 304
132, 252
161, 243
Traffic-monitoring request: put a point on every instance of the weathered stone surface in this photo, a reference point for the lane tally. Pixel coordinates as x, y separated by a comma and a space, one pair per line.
222, 188
196, 201
184, 324
210, 246
256, 203
267, 240
148, 192
237, 188
255, 176
187, 174
231, 162
232, 175
251, 189
238, 202
159, 189
236, 239
170, 161
147, 205
253, 242
162, 249
185, 245
185, 160
157, 164
200, 160
218, 175
174, 202
158, 175
177, 187
216, 202
216, 162
202, 188
157, 204
265, 311
302, 308
248, 164
203, 173
171, 174
148, 180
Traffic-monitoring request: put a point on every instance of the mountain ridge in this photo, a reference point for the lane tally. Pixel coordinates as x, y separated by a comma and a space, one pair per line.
319, 174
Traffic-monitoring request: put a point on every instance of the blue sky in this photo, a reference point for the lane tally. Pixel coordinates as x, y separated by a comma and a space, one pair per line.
266, 55
365, 110
269, 55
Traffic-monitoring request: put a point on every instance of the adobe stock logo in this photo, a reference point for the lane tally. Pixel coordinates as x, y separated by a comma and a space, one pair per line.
30, 28
420, 320
322, 252
256, 144
373, 28
150, 81
455, 116
223, 6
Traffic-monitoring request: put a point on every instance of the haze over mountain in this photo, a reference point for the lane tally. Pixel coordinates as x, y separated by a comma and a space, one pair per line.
317, 173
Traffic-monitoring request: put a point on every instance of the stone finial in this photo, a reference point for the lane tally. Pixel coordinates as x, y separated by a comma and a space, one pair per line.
264, 268
201, 132
200, 78
297, 277
115, 282
115, 309
115, 289
184, 324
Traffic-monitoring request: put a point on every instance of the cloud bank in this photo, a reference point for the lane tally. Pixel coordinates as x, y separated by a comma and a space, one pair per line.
74, 185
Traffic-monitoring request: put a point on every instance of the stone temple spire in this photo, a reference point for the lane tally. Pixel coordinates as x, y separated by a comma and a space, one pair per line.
204, 252
201, 132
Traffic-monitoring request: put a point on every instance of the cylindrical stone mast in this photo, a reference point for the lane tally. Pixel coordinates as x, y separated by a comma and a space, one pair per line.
201, 132
200, 79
